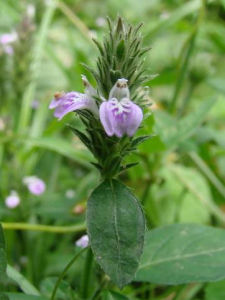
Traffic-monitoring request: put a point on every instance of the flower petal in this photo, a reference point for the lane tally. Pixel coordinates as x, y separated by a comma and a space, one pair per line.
106, 117
120, 117
68, 102
134, 119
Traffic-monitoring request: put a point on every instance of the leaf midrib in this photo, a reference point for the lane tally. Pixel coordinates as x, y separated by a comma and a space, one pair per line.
178, 257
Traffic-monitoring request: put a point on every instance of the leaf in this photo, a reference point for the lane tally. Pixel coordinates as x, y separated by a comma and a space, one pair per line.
3, 261
20, 296
183, 253
215, 291
174, 132
22, 282
110, 295
3, 297
116, 225
139, 140
62, 147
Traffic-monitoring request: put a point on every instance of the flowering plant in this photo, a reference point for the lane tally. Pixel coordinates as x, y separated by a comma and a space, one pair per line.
112, 114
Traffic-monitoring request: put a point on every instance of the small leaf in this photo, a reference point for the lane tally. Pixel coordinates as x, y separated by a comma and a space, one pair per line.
116, 225
183, 253
139, 140
120, 51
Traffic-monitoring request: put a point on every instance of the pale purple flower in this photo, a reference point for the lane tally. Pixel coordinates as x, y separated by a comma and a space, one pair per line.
8, 38
100, 21
83, 241
70, 194
63, 103
35, 185
35, 104
13, 200
119, 115
30, 10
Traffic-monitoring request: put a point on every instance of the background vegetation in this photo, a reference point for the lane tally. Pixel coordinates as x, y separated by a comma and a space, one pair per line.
181, 172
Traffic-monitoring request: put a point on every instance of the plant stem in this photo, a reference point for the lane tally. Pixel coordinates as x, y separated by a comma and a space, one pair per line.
184, 65
46, 228
64, 272
208, 173
182, 71
99, 290
87, 274
187, 98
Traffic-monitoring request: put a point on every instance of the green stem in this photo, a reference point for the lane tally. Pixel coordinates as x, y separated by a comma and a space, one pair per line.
64, 272
87, 274
46, 228
99, 290
208, 173
187, 98
189, 291
184, 66
182, 71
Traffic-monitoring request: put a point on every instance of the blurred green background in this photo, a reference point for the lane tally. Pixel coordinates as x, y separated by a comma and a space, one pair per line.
181, 171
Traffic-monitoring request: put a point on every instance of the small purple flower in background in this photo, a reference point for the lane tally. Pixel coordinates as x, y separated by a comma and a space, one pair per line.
6, 39
83, 241
13, 200
63, 103
70, 194
119, 115
35, 185
100, 21
35, 104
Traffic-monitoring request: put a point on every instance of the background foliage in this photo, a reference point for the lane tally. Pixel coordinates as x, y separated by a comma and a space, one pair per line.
181, 171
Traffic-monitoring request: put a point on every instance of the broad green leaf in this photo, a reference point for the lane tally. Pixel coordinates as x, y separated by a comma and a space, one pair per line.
215, 291
174, 132
116, 225
183, 253
3, 261
20, 296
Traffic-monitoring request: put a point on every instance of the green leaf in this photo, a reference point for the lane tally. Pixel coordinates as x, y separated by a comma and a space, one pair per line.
3, 261
174, 132
183, 253
215, 291
3, 297
110, 295
22, 282
116, 225
20, 296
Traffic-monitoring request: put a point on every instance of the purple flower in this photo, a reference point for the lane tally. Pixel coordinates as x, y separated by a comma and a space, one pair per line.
12, 200
63, 103
35, 185
119, 115
8, 38
83, 241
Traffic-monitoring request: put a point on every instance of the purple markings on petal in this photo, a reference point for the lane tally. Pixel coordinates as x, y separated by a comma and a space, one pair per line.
63, 103
35, 185
120, 117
